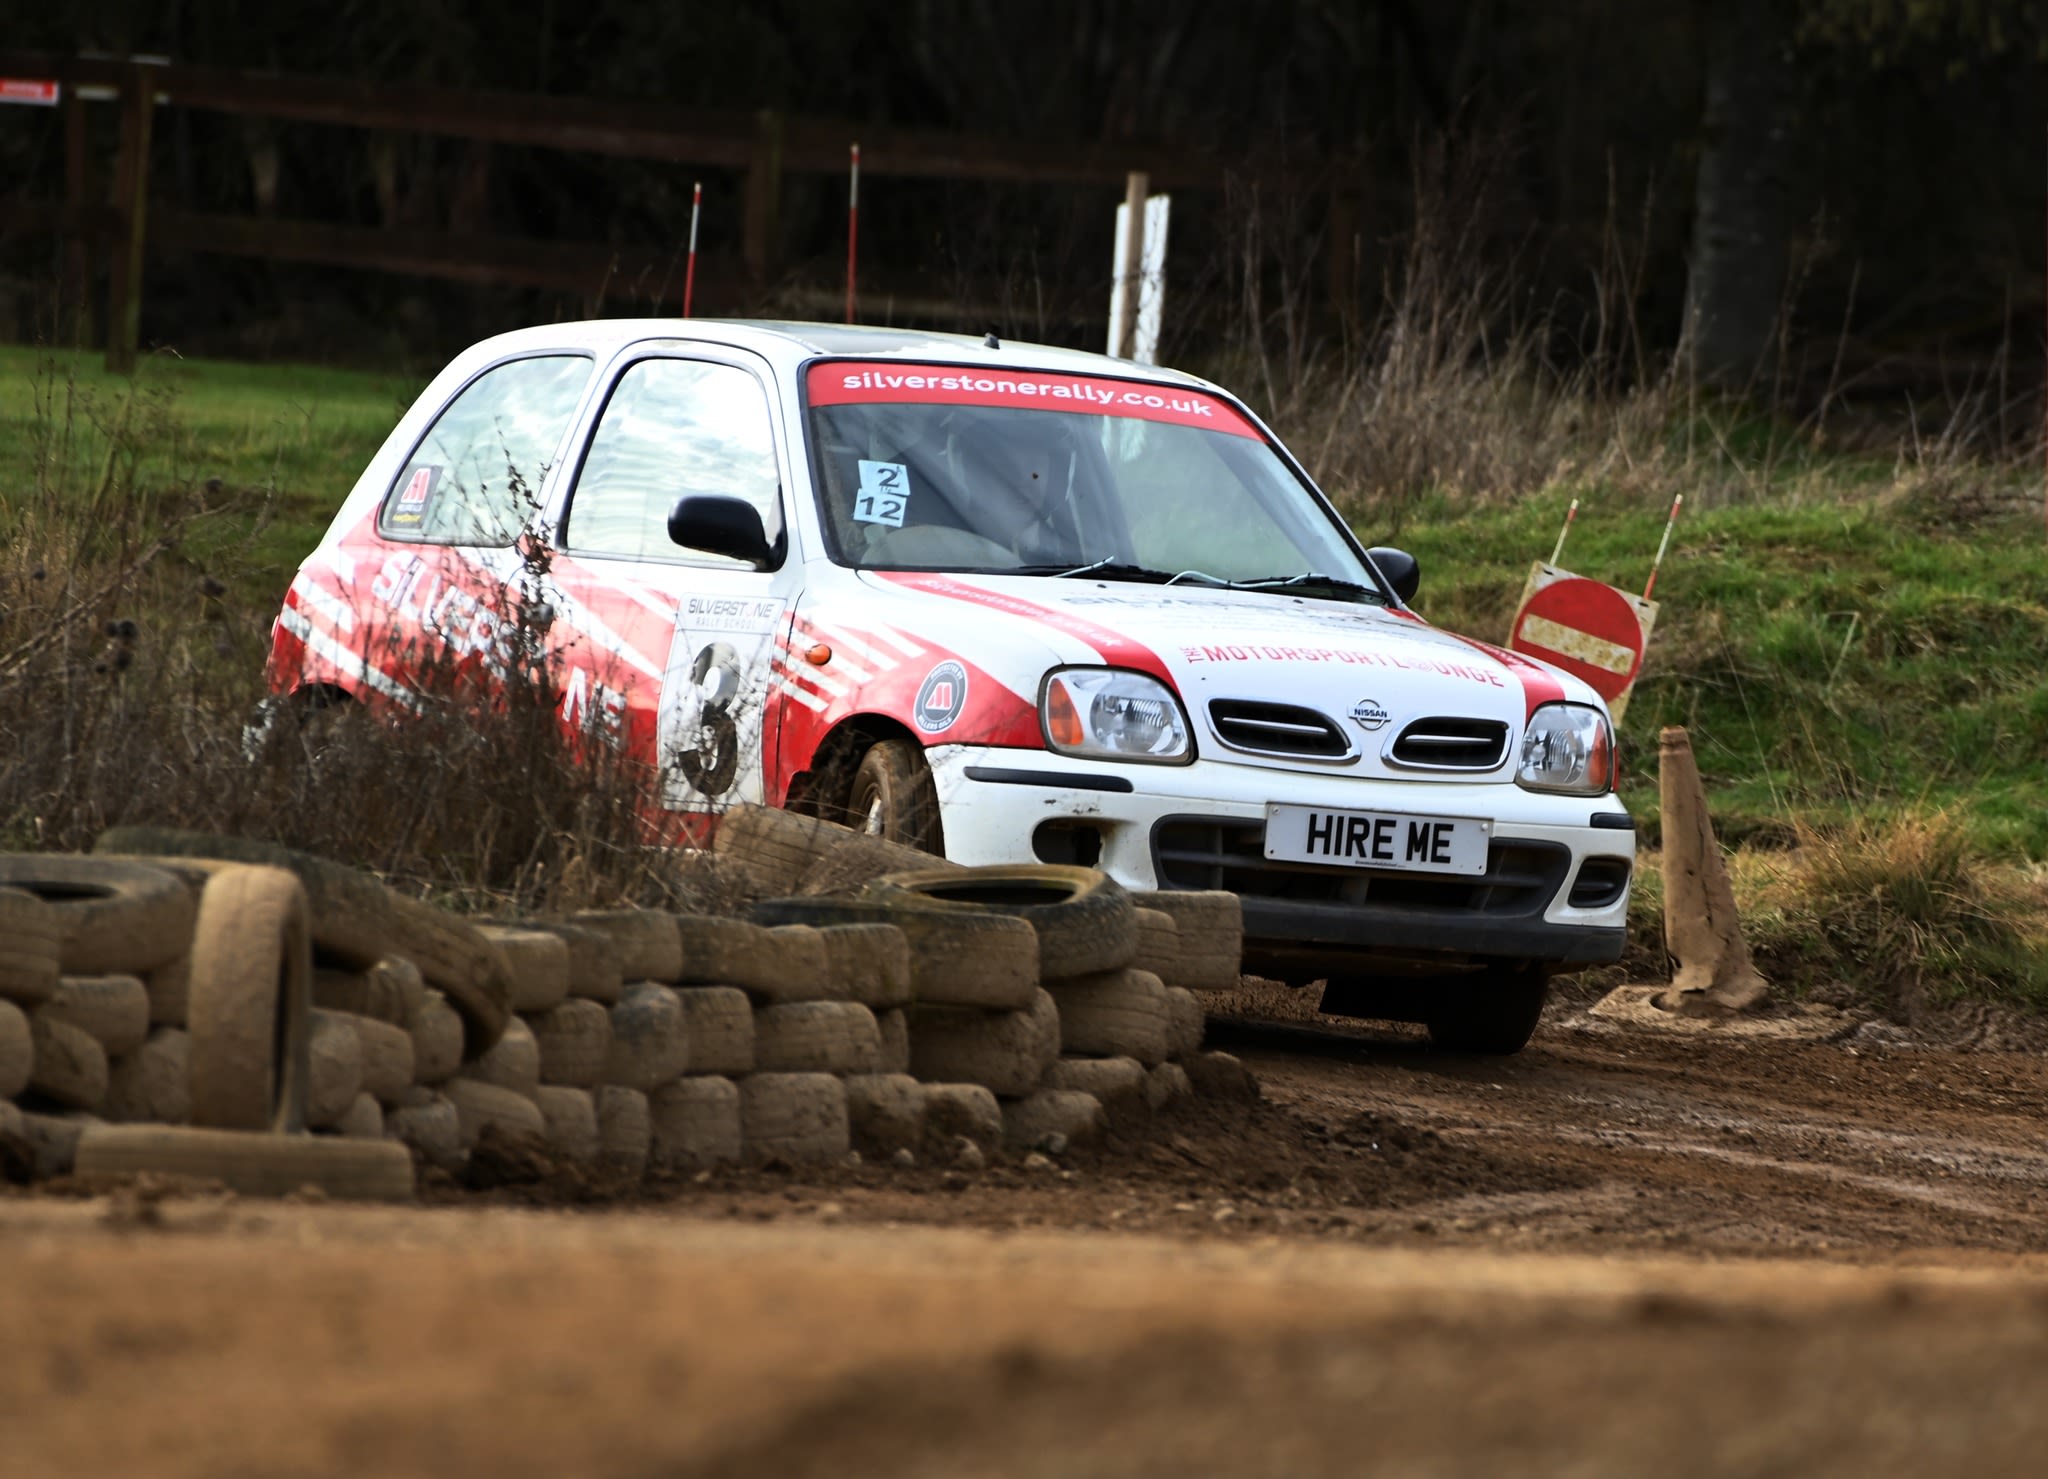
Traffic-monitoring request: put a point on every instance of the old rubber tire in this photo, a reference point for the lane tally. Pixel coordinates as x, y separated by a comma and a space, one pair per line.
334, 1069
1084, 918
17, 1050
650, 1039
392, 990
1114, 1014
536, 966
868, 963
624, 1130
794, 1117
351, 910
574, 1040
1492, 1012
457, 960
594, 970
958, 957
893, 797
1005, 1052
114, 915
31, 939
480, 1105
387, 1058
112, 1010
252, 971
695, 1123
1187, 1022
153, 1084
571, 1118
1158, 945
721, 1029
1209, 924
894, 1029
249, 1164
817, 1037
649, 944
436, 1040
885, 1112
1051, 1119
512, 1063
70, 1066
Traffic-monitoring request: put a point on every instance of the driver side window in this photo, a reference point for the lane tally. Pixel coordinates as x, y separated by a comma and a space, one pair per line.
673, 426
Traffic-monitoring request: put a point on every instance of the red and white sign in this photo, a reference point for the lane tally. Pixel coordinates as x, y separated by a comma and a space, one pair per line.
1592, 631
31, 90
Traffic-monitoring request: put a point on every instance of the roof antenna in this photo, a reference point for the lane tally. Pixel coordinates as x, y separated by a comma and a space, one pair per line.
991, 342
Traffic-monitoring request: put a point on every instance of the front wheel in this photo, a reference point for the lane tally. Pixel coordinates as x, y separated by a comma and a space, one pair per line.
1494, 1011
893, 797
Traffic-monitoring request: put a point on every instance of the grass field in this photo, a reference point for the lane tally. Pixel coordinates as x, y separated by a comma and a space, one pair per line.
1855, 641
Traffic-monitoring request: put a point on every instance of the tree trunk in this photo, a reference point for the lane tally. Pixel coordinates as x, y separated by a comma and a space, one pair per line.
1740, 224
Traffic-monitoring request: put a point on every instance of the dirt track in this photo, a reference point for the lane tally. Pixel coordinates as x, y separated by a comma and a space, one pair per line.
1616, 1254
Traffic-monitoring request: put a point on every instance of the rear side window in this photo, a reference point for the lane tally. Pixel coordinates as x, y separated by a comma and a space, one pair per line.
673, 426
476, 476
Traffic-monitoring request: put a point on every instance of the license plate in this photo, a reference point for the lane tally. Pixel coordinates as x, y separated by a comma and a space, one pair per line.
1375, 839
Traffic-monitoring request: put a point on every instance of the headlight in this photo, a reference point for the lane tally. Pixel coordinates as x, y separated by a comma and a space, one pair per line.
1111, 714
1568, 748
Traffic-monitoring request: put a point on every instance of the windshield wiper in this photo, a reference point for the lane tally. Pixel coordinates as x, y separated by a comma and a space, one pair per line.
1334, 584
1106, 569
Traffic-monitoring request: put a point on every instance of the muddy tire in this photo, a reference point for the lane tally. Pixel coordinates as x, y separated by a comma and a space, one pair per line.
958, 957
893, 797
1187, 1022
1221, 1076
649, 944
31, 939
1084, 918
894, 1029
1116, 1014
70, 1066
536, 966
512, 1063
650, 1039
868, 964
695, 1123
1210, 928
1118, 1083
429, 1123
153, 1084
112, 1010
794, 1117
776, 847
953, 1112
17, 1050
113, 916
252, 970
718, 951
1493, 1012
1158, 944
480, 1105
594, 970
170, 992
885, 1113
1006, 1052
571, 1119
257, 1165
1167, 1084
624, 1130
460, 963
817, 1037
392, 991
351, 911
574, 1040
387, 1058
334, 1069
436, 1041
720, 1024
363, 1121
1051, 1119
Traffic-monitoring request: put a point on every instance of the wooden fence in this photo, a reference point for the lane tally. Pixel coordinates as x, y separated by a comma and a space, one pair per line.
764, 146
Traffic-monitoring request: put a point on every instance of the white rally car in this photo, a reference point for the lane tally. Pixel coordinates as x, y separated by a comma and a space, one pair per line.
1007, 603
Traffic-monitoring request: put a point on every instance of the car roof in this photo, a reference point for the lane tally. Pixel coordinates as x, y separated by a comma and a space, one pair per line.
792, 343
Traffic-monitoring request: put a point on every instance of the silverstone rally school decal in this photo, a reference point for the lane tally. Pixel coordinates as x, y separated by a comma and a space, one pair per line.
712, 697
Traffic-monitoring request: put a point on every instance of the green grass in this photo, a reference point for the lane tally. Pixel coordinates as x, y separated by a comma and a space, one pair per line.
269, 450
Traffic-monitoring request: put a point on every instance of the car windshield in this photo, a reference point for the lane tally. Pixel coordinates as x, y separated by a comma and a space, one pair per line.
931, 467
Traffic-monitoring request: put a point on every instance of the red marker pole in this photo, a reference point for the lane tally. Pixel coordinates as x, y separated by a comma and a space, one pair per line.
690, 272
852, 227
1663, 545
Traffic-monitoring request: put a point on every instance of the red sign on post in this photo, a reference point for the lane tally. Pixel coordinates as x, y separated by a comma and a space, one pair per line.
29, 90
1592, 631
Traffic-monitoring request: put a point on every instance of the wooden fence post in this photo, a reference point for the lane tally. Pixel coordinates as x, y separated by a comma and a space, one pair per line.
74, 287
762, 245
131, 196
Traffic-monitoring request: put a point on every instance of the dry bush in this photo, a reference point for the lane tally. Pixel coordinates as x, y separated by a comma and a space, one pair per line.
132, 691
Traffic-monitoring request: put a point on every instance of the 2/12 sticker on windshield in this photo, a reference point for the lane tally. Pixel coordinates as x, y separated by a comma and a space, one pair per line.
884, 493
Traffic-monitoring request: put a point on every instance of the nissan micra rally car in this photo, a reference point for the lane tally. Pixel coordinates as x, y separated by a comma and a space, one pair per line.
1003, 602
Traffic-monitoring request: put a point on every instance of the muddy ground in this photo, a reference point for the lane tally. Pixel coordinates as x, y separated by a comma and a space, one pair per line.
1619, 1253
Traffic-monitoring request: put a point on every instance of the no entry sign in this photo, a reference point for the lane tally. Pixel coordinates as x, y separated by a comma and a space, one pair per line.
1592, 631
33, 90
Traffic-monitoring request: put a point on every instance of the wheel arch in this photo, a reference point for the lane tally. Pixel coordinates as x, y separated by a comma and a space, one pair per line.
828, 777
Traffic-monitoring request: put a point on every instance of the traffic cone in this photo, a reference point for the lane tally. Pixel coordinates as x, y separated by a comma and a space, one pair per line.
1701, 930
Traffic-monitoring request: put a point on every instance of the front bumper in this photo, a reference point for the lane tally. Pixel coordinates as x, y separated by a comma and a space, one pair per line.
1555, 889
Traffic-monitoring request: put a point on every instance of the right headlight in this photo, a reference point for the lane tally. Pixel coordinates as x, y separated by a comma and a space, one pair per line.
1568, 748
1113, 714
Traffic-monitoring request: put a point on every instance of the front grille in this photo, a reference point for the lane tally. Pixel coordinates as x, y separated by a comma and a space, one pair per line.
1277, 729
1444, 743
1521, 878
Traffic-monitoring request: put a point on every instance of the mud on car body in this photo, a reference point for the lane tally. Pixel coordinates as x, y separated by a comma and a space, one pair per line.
1004, 602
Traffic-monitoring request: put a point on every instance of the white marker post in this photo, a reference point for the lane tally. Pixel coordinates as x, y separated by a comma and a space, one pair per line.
1569, 514
1663, 545
690, 272
852, 227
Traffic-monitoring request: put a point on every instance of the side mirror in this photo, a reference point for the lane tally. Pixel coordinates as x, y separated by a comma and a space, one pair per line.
720, 524
1400, 569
